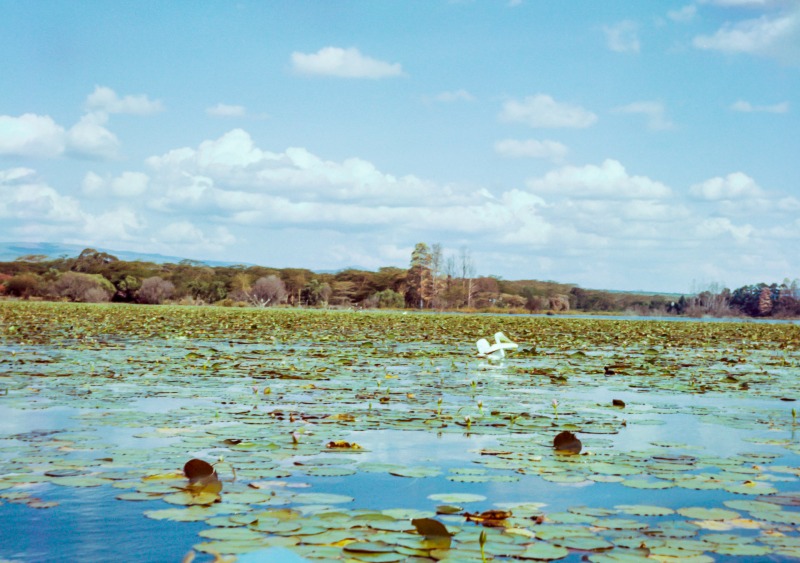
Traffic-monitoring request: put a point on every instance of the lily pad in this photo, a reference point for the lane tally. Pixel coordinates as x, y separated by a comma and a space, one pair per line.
457, 497
644, 510
544, 552
701, 513
416, 472
321, 498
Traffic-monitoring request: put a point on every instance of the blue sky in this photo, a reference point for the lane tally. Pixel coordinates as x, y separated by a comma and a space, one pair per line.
621, 145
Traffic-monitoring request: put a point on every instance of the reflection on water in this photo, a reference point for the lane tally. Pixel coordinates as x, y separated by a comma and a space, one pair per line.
421, 448
90, 525
18, 421
708, 438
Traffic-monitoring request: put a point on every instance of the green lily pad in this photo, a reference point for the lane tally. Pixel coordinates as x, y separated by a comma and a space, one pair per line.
570, 518
457, 497
233, 547
620, 524
369, 547
81, 481
192, 514
751, 488
188, 499
449, 509
416, 472
644, 510
137, 496
621, 556
680, 555
321, 498
700, 513
613, 468
544, 552
231, 534
751, 505
645, 484
329, 471
744, 550
778, 516
584, 544
562, 531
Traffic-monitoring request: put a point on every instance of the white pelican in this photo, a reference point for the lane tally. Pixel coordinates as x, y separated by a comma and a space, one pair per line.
496, 350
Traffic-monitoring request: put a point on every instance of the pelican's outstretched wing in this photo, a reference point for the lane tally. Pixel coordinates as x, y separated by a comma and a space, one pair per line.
497, 350
504, 342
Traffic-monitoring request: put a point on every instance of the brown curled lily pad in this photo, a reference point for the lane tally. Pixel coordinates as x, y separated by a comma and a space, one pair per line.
567, 442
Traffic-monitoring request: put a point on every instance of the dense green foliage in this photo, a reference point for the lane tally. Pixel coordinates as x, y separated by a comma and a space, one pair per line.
431, 282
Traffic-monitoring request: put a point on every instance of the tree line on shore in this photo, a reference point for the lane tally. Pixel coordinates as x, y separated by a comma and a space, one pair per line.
434, 280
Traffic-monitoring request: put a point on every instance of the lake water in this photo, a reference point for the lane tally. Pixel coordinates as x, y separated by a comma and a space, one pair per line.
334, 441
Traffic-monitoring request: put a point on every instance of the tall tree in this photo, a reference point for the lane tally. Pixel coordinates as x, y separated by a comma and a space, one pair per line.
419, 291
389, 277
295, 280
92, 261
317, 292
437, 265
467, 266
765, 302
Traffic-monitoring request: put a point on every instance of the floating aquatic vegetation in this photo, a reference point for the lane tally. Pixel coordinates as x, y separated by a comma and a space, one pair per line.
689, 416
567, 442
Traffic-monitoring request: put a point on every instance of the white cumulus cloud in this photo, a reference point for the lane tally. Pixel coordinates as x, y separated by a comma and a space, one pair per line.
188, 237
31, 135
126, 185
715, 227
610, 180
122, 224
345, 63
234, 162
542, 111
39, 136
106, 100
89, 138
774, 35
736, 185
130, 184
93, 184
23, 196
181, 232
531, 148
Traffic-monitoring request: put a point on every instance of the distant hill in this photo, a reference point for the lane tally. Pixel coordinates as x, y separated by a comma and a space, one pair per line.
10, 251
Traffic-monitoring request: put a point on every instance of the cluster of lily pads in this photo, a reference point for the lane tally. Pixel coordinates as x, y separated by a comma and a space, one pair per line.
304, 416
